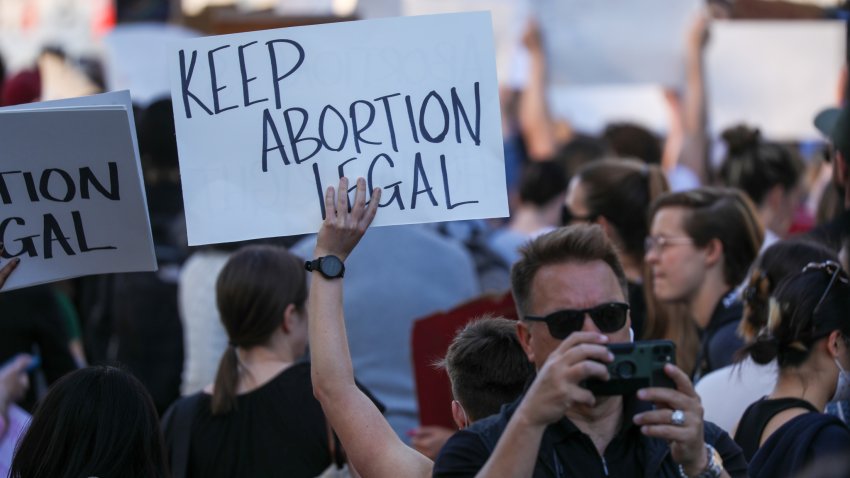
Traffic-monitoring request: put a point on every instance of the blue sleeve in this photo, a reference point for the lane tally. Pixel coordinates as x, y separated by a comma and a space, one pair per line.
724, 344
463, 455
831, 441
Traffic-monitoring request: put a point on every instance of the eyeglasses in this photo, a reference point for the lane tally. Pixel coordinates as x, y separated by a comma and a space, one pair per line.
609, 317
658, 243
832, 268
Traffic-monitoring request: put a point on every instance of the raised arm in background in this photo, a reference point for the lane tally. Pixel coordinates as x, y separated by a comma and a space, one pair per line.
373, 449
695, 145
535, 119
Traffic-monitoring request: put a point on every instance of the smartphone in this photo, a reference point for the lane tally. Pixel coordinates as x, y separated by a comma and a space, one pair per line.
636, 365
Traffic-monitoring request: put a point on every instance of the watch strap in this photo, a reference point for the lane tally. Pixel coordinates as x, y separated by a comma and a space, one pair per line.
713, 469
317, 265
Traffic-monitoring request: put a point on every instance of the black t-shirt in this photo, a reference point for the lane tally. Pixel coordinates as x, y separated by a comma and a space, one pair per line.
565, 451
758, 415
277, 430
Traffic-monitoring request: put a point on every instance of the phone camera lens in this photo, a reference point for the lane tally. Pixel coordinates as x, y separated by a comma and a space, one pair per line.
626, 369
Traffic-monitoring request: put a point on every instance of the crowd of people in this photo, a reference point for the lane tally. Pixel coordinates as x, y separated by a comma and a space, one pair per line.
292, 356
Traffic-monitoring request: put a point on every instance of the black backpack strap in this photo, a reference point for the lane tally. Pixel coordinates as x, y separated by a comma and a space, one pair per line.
177, 426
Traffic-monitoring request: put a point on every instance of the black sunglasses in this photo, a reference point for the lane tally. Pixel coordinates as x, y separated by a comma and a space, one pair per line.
832, 268
608, 318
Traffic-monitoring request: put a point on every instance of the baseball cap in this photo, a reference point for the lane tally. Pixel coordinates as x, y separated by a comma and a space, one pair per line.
834, 123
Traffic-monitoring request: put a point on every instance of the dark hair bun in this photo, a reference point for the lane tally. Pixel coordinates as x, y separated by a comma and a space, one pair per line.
741, 138
763, 349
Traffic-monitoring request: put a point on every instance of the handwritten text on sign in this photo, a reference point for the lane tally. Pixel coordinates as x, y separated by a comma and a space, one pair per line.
71, 194
266, 120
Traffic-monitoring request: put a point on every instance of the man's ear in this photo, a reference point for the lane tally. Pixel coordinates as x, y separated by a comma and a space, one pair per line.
523, 332
459, 415
289, 318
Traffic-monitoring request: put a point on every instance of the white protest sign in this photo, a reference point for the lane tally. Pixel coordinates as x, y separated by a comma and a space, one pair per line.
510, 18
591, 108
72, 195
267, 120
616, 41
776, 75
136, 59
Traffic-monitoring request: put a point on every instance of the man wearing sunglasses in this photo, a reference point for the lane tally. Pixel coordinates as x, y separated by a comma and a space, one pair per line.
571, 297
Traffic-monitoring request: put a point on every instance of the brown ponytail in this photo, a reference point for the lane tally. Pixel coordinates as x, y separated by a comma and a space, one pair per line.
253, 291
226, 382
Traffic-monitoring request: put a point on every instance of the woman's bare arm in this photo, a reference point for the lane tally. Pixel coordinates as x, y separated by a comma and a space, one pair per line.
372, 446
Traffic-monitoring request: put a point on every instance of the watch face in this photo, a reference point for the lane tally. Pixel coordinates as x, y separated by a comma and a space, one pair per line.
331, 266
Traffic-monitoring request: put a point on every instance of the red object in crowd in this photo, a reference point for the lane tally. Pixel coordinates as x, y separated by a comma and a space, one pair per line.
24, 87
802, 223
103, 21
430, 341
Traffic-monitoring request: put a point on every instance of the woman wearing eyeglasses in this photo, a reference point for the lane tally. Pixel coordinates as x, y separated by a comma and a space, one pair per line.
808, 332
701, 245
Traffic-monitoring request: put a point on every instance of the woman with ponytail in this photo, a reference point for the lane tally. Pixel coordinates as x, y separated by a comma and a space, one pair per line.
259, 418
807, 332
727, 392
616, 194
770, 175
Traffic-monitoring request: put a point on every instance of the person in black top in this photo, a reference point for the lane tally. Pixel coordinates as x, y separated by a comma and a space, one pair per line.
259, 418
702, 244
570, 290
808, 332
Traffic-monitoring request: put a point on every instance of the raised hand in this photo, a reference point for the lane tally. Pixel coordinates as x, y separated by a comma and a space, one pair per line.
342, 229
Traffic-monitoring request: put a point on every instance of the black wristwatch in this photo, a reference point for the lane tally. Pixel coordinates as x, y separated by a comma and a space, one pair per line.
329, 266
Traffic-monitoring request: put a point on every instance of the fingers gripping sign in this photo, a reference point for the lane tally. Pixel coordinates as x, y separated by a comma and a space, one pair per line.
7, 268
343, 226
678, 419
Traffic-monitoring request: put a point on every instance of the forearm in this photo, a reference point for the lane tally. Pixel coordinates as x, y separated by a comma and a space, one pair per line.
695, 144
331, 369
517, 449
535, 120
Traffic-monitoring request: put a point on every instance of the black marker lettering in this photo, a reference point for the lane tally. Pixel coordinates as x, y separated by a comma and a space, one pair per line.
214, 81
185, 79
243, 69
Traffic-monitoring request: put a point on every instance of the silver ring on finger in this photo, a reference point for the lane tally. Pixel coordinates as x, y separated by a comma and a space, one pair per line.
678, 418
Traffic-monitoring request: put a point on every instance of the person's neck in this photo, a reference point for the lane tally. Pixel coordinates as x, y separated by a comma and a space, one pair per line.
771, 219
802, 383
703, 303
261, 363
600, 422
529, 220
